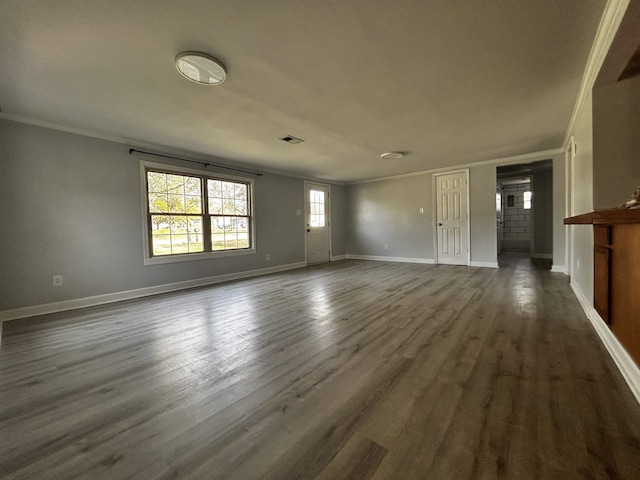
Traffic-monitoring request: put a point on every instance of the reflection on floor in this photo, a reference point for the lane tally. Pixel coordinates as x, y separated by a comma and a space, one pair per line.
346, 370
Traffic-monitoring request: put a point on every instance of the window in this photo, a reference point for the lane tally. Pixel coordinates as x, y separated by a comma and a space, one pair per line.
316, 205
191, 215
527, 200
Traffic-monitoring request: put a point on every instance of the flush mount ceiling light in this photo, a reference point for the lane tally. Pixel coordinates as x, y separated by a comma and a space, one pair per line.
392, 155
201, 68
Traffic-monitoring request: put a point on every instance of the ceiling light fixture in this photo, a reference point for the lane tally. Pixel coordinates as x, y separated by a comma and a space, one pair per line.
201, 68
392, 155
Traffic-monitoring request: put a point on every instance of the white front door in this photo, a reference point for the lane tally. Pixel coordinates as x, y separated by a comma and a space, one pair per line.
317, 222
451, 218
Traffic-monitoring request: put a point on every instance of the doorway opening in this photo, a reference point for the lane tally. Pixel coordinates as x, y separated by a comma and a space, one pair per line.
524, 209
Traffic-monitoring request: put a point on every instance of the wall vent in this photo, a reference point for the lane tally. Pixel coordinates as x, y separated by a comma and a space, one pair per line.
292, 139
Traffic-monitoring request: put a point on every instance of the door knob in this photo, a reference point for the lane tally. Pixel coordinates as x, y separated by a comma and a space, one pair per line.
308, 230
439, 224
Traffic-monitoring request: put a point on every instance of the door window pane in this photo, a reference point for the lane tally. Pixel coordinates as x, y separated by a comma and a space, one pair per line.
317, 208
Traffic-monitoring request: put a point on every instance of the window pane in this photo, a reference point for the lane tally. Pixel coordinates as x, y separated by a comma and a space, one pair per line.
215, 190
158, 203
160, 224
175, 203
174, 234
193, 204
229, 233
215, 206
231, 239
316, 207
228, 206
192, 186
242, 224
241, 207
179, 243
194, 234
175, 184
161, 244
170, 193
243, 240
240, 191
228, 189
157, 182
219, 225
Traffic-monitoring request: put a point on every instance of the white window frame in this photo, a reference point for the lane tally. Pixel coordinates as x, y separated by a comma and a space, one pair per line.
189, 257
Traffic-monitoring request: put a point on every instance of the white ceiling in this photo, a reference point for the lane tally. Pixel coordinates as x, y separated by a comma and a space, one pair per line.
448, 81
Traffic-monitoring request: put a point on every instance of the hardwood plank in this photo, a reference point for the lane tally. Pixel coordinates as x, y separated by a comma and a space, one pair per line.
357, 460
352, 369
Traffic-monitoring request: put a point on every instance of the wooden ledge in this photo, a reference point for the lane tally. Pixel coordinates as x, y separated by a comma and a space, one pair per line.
605, 217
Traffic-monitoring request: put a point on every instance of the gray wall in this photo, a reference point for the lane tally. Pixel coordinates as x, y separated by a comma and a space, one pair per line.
542, 187
482, 213
582, 262
338, 220
616, 142
70, 205
559, 212
388, 212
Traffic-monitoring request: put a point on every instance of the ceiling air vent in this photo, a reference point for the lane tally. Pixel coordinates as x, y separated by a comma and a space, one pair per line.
292, 139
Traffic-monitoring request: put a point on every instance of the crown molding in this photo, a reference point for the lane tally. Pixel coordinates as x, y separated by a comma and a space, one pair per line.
611, 18
525, 157
129, 142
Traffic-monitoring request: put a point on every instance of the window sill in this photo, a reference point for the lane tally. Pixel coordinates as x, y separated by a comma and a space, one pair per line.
190, 257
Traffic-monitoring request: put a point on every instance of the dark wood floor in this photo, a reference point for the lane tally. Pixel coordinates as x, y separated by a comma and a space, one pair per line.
353, 370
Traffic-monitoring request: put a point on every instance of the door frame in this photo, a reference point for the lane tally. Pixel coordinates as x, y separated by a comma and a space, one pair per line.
327, 215
499, 221
569, 165
532, 233
435, 212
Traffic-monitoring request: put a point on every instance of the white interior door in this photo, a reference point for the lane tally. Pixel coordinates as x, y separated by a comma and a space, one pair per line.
318, 223
452, 236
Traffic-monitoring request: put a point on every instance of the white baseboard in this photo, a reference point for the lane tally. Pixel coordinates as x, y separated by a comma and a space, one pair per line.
558, 269
335, 258
73, 304
546, 256
624, 362
484, 264
430, 261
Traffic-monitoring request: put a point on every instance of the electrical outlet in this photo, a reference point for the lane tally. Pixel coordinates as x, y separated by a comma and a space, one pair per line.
268, 257
57, 280
386, 246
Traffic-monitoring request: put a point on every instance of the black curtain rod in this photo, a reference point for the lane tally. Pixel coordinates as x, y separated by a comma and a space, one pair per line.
199, 162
